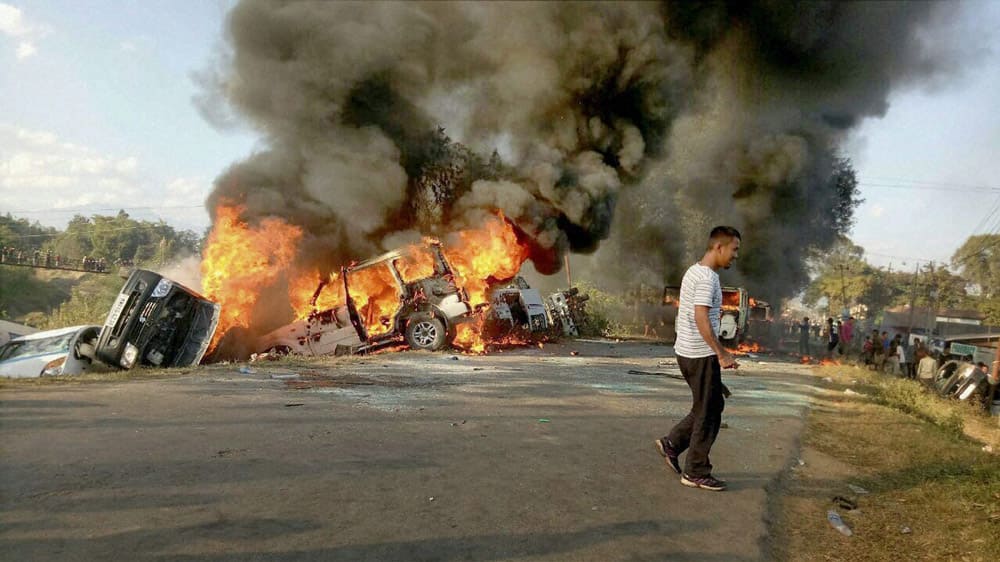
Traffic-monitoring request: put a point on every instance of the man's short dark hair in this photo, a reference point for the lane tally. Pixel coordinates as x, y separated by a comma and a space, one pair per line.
722, 235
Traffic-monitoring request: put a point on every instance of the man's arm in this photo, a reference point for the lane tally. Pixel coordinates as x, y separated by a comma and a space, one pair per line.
705, 329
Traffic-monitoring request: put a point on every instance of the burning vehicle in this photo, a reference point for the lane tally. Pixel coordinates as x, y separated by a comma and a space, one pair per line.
424, 314
156, 322
734, 315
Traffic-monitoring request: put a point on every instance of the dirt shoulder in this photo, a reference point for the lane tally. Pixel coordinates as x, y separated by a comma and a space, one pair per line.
921, 492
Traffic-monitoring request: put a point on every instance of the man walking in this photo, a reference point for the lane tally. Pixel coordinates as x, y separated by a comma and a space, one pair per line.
701, 357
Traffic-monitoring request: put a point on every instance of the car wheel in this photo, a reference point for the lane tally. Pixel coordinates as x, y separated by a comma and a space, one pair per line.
426, 333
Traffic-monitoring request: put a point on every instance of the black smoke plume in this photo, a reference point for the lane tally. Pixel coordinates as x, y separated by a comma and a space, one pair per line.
643, 123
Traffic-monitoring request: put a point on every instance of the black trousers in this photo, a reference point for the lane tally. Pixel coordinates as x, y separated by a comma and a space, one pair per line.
697, 431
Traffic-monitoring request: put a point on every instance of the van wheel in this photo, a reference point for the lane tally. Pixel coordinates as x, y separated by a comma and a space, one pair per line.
427, 333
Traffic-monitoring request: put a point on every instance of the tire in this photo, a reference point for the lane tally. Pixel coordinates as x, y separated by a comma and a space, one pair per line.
426, 332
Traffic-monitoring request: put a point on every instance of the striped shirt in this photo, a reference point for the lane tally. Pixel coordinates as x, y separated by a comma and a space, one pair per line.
700, 286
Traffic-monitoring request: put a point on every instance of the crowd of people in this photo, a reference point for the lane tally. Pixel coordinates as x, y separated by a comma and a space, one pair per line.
38, 258
878, 351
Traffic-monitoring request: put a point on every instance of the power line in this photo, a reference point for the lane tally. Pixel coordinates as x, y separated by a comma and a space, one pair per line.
901, 258
948, 189
113, 209
892, 180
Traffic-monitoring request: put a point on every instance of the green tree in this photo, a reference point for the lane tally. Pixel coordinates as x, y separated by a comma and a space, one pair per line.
843, 278
978, 260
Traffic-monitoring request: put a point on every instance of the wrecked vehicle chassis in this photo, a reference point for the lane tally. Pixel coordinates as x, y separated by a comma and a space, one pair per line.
427, 313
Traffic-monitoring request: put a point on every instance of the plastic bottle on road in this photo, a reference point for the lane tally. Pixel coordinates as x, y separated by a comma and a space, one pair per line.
834, 518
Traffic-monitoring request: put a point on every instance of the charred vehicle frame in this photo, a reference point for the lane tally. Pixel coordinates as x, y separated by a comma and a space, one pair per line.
428, 312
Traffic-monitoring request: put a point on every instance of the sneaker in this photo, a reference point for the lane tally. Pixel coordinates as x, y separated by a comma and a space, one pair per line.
704, 482
669, 454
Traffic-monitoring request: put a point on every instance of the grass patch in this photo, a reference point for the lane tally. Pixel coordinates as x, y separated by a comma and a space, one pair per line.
912, 397
934, 494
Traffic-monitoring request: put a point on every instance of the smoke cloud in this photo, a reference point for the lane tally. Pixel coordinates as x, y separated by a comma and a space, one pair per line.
636, 123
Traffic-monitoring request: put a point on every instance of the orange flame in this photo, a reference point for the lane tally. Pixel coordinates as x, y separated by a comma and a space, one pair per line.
479, 257
242, 260
485, 256
745, 348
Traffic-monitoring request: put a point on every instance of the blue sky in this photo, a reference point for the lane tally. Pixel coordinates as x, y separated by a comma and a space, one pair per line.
96, 109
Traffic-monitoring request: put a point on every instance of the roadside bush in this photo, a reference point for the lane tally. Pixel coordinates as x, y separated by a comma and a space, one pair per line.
912, 398
21, 291
605, 312
89, 303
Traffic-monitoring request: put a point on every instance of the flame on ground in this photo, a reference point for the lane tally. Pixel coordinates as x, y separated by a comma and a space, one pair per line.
240, 260
745, 348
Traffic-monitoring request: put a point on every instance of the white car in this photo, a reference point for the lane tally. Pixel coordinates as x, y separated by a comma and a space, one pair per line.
66, 351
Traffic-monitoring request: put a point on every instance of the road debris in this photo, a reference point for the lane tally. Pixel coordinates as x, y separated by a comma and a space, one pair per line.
284, 376
656, 374
834, 518
850, 392
293, 404
543, 420
905, 530
845, 503
244, 370
857, 489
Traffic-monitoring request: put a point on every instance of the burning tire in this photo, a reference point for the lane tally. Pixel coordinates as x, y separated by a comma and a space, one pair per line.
427, 333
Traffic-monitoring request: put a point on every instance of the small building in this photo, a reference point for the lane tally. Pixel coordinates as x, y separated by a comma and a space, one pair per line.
941, 323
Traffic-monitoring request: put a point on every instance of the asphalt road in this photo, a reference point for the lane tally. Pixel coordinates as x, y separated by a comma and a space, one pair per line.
534, 454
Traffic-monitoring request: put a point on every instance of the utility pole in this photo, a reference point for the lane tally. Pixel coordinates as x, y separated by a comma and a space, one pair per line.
843, 291
932, 312
913, 298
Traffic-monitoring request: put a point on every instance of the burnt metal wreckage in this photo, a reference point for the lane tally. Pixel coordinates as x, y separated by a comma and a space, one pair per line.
428, 313
519, 312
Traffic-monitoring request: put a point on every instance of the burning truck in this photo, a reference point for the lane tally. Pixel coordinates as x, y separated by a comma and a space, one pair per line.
742, 317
